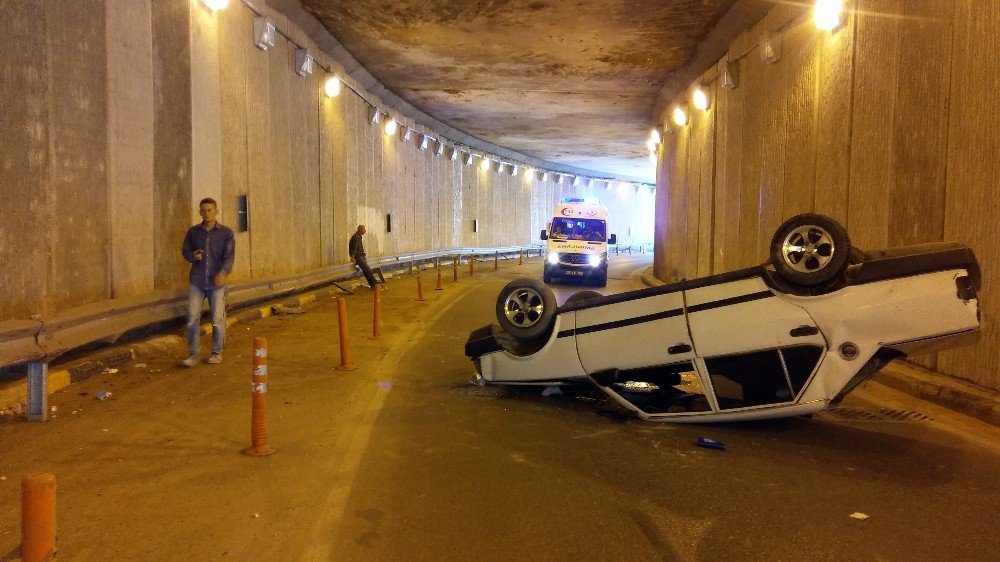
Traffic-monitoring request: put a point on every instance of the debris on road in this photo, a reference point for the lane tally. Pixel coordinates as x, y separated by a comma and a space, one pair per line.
710, 444
140, 365
859, 516
256, 515
102, 395
110, 371
552, 391
282, 309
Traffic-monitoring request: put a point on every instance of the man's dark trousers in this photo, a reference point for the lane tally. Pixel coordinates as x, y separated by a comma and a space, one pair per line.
362, 262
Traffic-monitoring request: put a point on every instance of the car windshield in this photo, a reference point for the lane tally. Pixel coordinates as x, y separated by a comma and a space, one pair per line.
590, 230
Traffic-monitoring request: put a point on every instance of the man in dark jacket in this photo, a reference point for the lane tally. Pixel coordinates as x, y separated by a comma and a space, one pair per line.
210, 248
356, 248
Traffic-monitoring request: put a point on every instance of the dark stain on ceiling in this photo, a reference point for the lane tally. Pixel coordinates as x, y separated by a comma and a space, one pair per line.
567, 81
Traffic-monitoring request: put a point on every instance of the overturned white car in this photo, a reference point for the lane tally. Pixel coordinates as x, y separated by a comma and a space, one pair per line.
789, 337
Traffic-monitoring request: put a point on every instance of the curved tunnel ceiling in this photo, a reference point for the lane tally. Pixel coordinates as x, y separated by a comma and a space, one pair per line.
572, 82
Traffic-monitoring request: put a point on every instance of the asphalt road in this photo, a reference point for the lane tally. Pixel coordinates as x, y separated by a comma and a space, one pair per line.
405, 458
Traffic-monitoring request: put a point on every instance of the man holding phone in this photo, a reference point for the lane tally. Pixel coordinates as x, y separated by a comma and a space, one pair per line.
210, 248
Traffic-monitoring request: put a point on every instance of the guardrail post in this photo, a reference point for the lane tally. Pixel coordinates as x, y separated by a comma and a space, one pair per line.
520, 257
38, 395
496, 259
410, 270
454, 267
420, 289
377, 314
38, 517
258, 392
345, 347
472, 262
439, 287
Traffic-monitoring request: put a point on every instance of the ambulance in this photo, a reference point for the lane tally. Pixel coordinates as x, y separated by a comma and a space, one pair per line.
577, 242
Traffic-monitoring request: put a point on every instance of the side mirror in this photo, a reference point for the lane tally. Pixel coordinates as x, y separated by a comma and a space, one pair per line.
543, 236
613, 239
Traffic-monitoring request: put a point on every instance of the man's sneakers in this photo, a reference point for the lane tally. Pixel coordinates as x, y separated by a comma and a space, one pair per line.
192, 360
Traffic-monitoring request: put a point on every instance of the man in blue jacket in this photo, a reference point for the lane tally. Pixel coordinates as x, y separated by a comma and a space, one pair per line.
210, 249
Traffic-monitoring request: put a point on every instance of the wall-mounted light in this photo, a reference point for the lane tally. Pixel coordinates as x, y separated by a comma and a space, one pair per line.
405, 133
390, 127
454, 153
485, 164
680, 117
699, 99
770, 48
499, 167
651, 146
610, 184
263, 32
440, 147
468, 158
332, 87
577, 181
425, 141
654, 136
545, 176
653, 160
828, 15
729, 75
373, 116
513, 169
528, 172
303, 62
215, 5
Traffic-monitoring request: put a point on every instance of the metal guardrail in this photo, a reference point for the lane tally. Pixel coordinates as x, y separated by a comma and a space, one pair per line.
45, 338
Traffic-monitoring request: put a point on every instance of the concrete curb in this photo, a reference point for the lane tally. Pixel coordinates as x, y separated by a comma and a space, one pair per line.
944, 390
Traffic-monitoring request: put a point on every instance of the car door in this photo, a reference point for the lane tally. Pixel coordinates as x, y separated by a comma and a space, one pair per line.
641, 330
756, 347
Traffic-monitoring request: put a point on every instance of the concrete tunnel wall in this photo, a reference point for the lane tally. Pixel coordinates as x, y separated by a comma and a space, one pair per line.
120, 115
889, 124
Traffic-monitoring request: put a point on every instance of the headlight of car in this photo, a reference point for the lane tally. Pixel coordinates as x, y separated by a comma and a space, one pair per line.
553, 257
594, 260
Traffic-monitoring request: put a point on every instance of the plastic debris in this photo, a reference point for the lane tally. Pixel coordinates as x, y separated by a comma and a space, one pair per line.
140, 365
256, 515
710, 444
859, 516
282, 309
110, 371
53, 409
102, 395
552, 391
385, 385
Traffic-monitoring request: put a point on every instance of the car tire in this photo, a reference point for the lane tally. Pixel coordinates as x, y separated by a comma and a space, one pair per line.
583, 296
526, 308
810, 249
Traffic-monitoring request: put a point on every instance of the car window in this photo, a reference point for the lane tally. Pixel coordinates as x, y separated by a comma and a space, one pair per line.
663, 389
749, 379
800, 361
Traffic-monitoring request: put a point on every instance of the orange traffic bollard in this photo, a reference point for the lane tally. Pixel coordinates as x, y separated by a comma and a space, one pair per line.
420, 289
258, 392
38, 517
520, 257
345, 348
377, 314
496, 260
439, 287
454, 266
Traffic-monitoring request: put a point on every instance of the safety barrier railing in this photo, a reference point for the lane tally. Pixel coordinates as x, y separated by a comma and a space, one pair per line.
46, 338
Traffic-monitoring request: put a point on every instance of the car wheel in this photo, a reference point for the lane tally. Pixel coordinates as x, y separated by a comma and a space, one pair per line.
583, 296
525, 308
810, 249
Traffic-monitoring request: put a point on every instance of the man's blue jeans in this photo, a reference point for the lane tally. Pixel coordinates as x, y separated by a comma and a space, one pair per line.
217, 302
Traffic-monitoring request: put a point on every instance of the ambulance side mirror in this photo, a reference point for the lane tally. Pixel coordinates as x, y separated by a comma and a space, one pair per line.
613, 239
543, 236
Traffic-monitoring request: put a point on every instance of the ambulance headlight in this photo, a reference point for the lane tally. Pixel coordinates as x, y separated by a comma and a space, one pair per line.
594, 260
553, 258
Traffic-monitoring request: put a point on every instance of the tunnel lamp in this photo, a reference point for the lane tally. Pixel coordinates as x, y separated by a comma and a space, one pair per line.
332, 87
405, 133
699, 99
728, 75
610, 184
440, 148
485, 164
390, 127
652, 159
425, 141
680, 117
499, 167
263, 32
528, 172
545, 176
373, 116
454, 153
651, 146
215, 5
654, 136
828, 14
303, 62
468, 158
